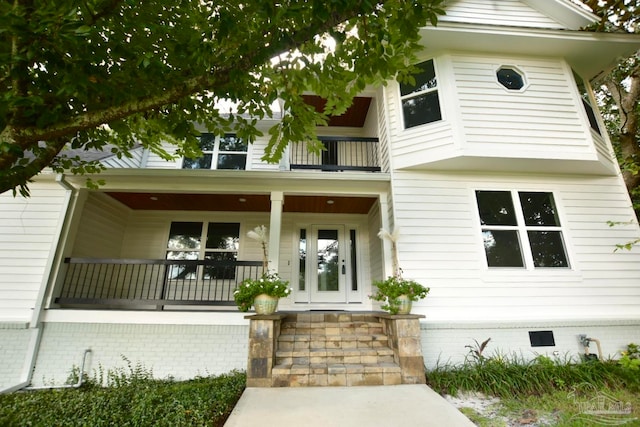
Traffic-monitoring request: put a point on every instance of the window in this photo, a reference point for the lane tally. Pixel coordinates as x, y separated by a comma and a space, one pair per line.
586, 103
521, 229
420, 102
227, 152
510, 78
185, 243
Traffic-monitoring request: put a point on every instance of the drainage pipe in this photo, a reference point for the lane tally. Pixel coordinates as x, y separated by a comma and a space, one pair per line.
76, 385
597, 341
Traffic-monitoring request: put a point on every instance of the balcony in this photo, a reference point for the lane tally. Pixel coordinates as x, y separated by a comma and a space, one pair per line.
149, 284
340, 154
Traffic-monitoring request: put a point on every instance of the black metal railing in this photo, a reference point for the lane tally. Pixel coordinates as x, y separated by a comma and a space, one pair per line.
340, 154
144, 282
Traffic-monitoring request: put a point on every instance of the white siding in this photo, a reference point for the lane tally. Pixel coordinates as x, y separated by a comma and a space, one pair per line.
135, 161
513, 13
28, 233
156, 162
375, 244
256, 151
101, 228
382, 110
545, 121
544, 118
441, 246
147, 231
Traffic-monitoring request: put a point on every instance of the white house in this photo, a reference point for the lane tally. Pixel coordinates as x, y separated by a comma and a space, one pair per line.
495, 167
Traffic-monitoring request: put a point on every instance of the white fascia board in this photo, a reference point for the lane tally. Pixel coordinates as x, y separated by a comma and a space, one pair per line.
230, 181
567, 13
590, 54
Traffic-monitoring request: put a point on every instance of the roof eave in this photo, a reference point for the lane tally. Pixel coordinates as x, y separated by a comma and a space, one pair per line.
590, 54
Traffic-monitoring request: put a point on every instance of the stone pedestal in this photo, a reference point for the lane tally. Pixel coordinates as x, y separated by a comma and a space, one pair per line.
403, 331
263, 335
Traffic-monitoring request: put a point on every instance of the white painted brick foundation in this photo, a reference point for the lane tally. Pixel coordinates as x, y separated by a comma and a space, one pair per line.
186, 351
445, 343
14, 343
179, 351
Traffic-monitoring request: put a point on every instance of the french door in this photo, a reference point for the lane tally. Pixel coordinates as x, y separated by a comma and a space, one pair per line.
326, 264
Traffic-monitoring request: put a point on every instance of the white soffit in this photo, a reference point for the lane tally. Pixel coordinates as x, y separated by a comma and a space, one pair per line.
590, 54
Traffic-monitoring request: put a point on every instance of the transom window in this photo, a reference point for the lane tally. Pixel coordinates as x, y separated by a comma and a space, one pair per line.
227, 152
521, 229
185, 243
420, 102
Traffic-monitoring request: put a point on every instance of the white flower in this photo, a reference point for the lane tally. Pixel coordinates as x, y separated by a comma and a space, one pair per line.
260, 233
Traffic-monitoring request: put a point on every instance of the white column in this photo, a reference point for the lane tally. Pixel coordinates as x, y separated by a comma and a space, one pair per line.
275, 227
387, 255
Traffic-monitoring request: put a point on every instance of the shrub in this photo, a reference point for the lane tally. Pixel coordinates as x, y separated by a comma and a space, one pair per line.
513, 376
132, 399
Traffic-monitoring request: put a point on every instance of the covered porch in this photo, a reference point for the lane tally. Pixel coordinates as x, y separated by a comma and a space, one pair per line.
118, 252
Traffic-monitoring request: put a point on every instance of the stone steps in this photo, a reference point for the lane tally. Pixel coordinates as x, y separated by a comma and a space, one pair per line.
333, 349
301, 349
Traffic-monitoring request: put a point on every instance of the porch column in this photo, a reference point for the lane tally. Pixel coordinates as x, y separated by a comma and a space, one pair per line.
385, 223
275, 226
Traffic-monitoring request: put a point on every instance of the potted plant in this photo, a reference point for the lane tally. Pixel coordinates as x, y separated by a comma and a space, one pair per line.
264, 292
396, 292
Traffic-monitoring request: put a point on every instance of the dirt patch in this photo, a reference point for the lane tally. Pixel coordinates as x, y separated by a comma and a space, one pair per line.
492, 410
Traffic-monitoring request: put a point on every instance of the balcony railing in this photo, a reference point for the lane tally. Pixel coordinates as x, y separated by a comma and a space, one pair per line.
340, 154
135, 283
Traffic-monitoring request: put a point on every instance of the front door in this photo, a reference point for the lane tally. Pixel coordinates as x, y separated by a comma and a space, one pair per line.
328, 274
324, 273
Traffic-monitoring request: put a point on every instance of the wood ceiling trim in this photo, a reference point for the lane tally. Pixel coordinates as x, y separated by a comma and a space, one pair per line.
243, 202
355, 116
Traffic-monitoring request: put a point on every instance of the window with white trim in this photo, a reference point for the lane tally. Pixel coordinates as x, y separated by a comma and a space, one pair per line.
226, 152
185, 243
521, 229
586, 103
420, 102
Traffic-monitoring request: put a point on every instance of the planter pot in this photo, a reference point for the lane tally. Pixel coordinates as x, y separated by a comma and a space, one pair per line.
404, 304
265, 304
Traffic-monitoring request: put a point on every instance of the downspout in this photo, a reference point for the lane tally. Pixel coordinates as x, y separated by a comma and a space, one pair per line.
76, 385
35, 325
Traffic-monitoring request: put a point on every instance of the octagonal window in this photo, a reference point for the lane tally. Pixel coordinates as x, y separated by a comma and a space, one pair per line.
510, 78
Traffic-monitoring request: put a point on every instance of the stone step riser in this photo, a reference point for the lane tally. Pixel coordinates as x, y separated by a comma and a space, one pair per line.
332, 345
336, 380
336, 375
291, 342
365, 360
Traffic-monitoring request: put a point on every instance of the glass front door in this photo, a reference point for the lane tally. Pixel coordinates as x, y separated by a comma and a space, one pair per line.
327, 266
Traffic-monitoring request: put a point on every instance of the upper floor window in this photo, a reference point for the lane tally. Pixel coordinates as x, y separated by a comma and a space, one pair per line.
521, 229
510, 78
420, 102
227, 152
586, 103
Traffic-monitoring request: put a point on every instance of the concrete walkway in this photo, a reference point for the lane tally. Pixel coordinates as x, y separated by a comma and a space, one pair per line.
373, 406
